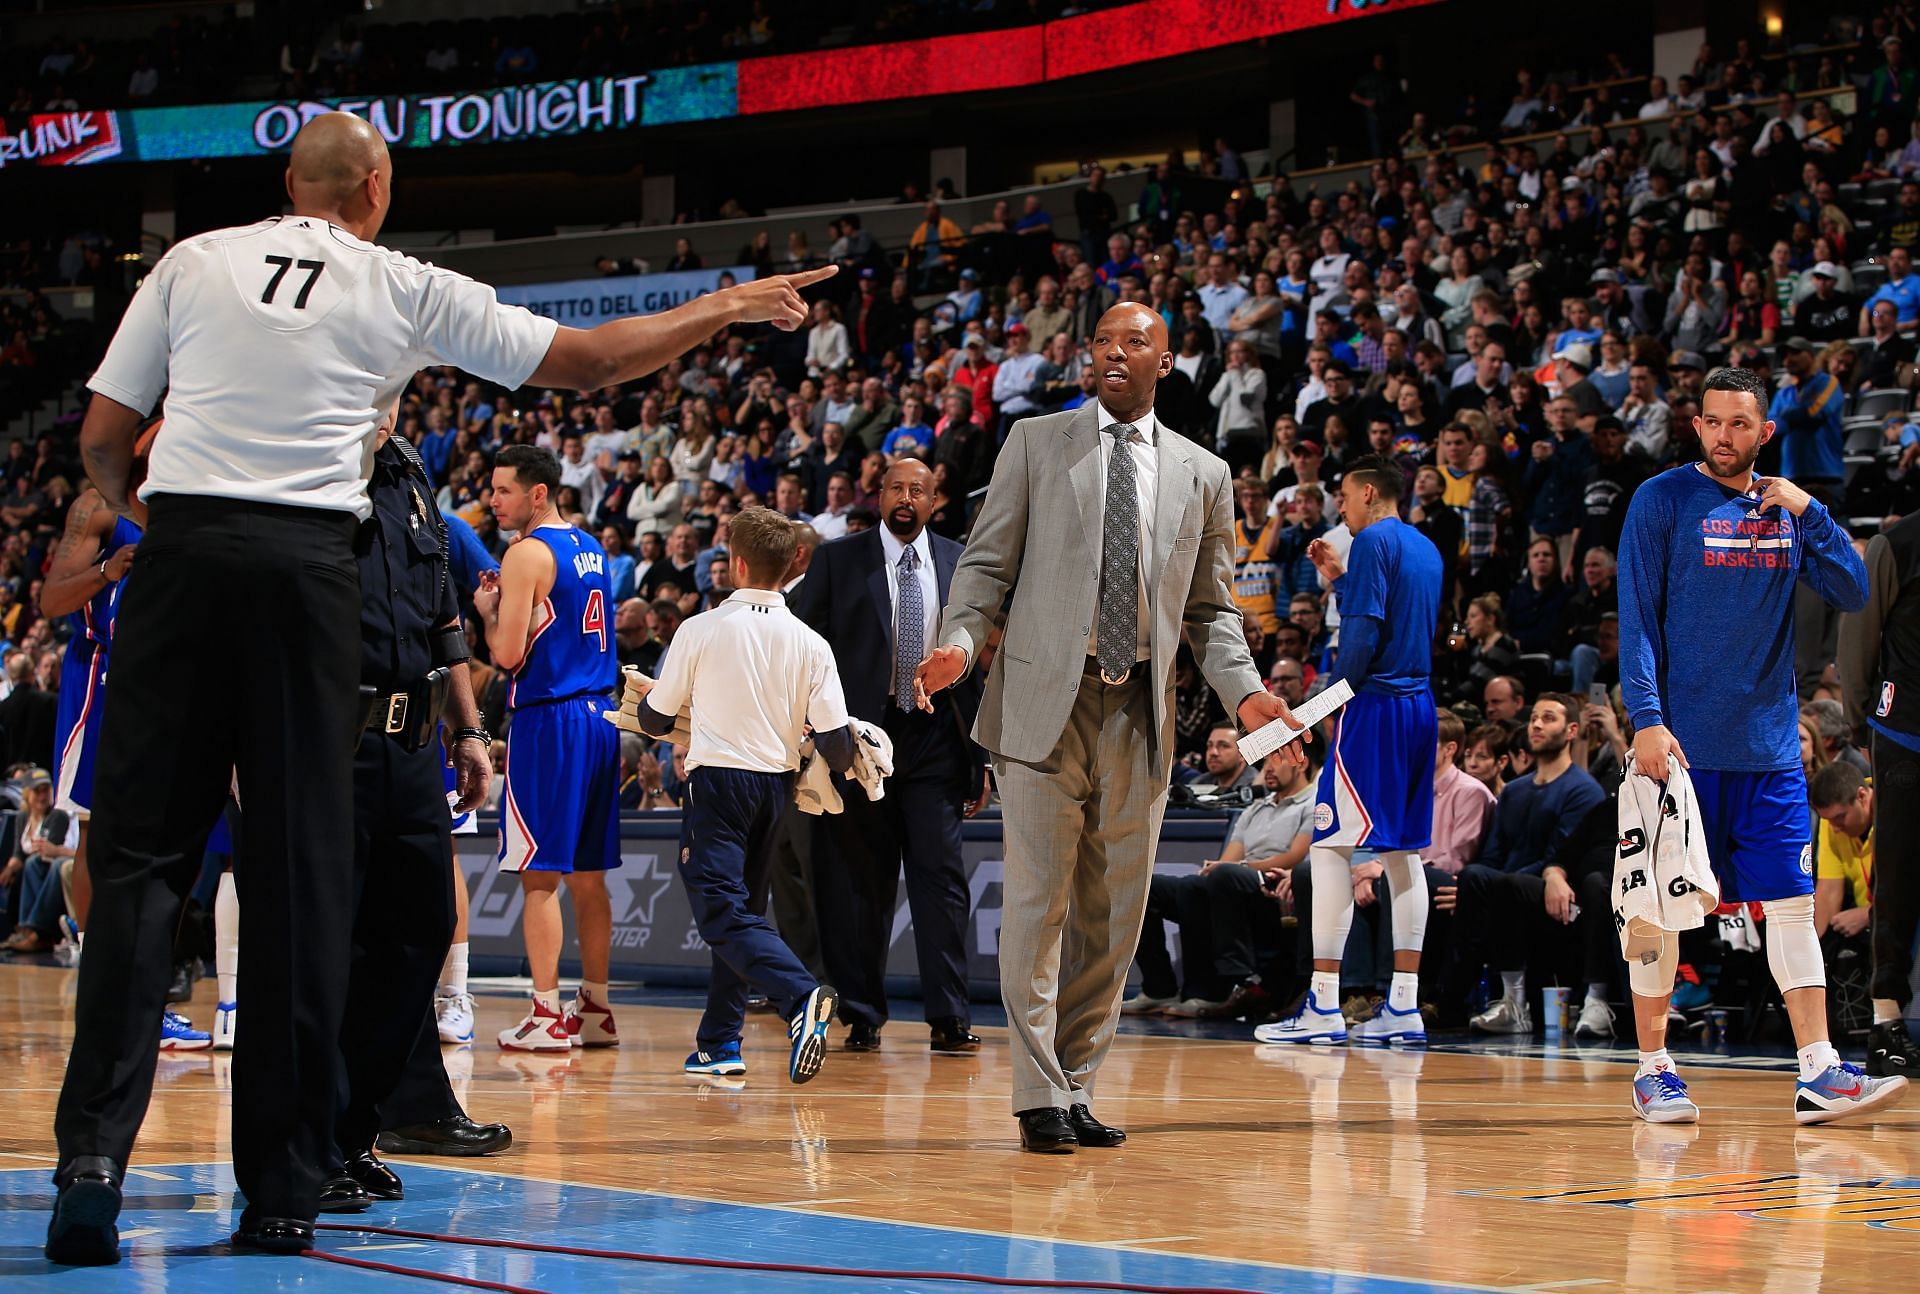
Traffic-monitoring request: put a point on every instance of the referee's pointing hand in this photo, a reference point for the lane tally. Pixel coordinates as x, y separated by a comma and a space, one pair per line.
776, 300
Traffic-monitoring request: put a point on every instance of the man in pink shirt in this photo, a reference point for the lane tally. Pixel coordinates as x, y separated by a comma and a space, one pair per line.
1462, 804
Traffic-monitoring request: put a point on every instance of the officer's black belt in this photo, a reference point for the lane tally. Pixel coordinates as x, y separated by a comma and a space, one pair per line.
408, 715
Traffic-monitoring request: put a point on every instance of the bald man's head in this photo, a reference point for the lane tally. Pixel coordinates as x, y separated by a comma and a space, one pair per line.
1130, 353
339, 168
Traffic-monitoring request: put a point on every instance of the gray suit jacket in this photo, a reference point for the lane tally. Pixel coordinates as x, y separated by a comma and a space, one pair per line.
1033, 563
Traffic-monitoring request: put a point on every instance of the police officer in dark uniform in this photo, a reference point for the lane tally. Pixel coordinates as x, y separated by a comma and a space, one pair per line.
1879, 666
413, 674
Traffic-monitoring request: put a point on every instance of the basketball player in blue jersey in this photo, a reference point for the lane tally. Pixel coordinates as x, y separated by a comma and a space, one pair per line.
549, 624
83, 584
1709, 559
1376, 789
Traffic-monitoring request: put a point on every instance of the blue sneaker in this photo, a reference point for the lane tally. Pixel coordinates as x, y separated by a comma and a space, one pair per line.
1661, 1097
808, 1029
1313, 1024
1691, 996
722, 1060
178, 1034
1843, 1090
1390, 1028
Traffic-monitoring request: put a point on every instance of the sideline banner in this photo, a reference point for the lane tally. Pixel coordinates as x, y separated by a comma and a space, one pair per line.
582, 303
653, 926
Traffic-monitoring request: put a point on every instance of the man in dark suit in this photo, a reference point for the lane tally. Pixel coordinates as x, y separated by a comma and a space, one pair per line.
27, 716
876, 598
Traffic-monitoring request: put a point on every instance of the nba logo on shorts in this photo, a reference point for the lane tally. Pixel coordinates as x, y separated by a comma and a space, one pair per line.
1886, 700
1322, 816
1806, 860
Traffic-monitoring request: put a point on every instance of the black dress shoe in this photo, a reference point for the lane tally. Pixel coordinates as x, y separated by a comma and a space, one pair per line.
274, 1235
863, 1037
458, 1136
344, 1195
379, 1181
1089, 1131
951, 1036
1045, 1131
84, 1230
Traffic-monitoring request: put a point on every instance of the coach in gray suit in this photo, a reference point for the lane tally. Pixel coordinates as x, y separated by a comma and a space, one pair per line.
1096, 564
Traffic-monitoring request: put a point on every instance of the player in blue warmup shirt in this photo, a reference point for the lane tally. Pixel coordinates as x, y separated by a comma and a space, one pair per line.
1376, 788
549, 623
1708, 562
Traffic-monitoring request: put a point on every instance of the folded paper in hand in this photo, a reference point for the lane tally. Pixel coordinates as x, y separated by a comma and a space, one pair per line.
1261, 742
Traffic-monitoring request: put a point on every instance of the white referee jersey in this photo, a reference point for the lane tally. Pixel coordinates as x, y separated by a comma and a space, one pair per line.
756, 675
281, 345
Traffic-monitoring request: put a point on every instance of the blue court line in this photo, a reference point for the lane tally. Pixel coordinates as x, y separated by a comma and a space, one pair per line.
184, 1221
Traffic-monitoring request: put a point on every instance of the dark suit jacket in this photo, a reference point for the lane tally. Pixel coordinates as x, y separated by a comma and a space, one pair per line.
844, 598
27, 721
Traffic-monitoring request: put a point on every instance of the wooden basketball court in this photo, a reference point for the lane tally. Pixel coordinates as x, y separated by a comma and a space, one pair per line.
1247, 1169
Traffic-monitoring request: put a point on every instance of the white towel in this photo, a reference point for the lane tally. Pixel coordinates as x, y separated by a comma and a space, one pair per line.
1662, 878
872, 758
813, 790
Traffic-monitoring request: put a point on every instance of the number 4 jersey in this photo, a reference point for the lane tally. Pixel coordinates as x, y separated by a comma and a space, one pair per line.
570, 652
231, 323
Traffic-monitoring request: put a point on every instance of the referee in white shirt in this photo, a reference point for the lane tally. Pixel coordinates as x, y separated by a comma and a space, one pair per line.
278, 346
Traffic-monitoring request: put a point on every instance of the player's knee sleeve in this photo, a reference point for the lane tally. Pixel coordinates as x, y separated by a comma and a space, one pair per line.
1332, 900
1407, 886
1655, 978
1793, 950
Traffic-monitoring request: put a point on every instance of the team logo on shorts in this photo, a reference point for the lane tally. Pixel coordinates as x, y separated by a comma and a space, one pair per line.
1806, 860
1322, 817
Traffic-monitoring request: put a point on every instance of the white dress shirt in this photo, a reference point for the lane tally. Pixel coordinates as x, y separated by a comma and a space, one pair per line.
891, 547
1146, 480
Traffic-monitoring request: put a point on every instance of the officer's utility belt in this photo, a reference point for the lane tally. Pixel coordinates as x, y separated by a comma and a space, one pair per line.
408, 715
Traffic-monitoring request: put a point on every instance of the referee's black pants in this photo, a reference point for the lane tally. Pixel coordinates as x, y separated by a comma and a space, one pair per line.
1896, 887
237, 648
403, 921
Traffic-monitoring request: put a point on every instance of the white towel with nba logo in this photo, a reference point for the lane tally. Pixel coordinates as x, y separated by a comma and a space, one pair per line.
1662, 877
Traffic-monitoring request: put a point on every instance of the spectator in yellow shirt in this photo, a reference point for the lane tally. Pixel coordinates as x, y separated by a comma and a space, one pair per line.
1843, 876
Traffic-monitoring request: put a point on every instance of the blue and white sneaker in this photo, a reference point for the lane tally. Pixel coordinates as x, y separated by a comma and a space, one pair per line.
722, 1060
1313, 1024
1841, 1091
808, 1029
1661, 1097
226, 1025
1391, 1028
178, 1034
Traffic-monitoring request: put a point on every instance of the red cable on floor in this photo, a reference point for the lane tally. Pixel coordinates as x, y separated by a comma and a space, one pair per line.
791, 1269
394, 1269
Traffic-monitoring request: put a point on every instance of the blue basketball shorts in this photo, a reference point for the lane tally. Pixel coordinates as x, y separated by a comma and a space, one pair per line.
1758, 832
1376, 788
560, 811
76, 735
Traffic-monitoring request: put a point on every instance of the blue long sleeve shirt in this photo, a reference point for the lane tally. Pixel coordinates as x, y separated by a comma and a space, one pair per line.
1389, 602
1808, 418
1531, 823
1706, 615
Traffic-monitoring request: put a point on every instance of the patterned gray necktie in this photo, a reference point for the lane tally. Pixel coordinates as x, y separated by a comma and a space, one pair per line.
1120, 562
909, 629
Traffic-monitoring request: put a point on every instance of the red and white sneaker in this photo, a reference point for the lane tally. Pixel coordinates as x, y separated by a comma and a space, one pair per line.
542, 1030
589, 1024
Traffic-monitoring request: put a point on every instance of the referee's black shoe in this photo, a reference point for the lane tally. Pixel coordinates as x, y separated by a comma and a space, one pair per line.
379, 1181
458, 1136
85, 1228
273, 1235
1891, 1051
